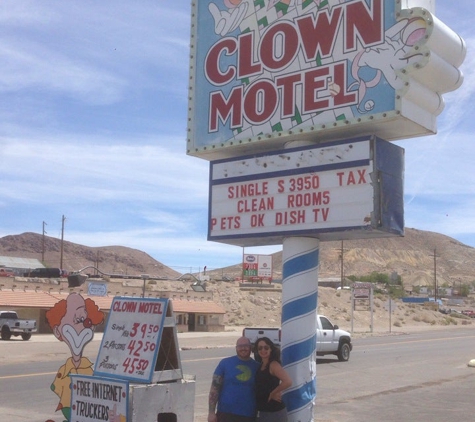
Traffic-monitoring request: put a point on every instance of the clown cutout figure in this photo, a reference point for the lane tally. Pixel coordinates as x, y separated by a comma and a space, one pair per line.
73, 321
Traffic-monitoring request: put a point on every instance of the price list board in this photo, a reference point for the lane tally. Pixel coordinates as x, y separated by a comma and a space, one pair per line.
131, 340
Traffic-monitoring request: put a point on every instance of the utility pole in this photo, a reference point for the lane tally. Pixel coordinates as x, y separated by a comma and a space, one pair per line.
62, 240
242, 271
145, 277
435, 274
341, 257
43, 244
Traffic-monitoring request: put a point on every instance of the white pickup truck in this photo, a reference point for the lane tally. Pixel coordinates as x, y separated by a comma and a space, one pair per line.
11, 325
331, 340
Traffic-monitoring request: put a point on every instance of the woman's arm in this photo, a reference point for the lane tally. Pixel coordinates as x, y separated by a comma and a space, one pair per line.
275, 369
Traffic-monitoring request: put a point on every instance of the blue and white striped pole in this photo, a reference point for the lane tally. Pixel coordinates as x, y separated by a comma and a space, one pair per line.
299, 324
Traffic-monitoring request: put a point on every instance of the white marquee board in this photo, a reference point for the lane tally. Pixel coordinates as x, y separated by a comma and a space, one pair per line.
339, 190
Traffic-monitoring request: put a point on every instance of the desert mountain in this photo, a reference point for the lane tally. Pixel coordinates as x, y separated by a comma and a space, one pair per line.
411, 257
108, 259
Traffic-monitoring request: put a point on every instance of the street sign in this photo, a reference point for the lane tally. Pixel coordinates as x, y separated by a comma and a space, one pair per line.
390, 305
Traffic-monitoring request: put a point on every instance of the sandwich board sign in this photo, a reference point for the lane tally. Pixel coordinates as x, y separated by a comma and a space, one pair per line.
131, 341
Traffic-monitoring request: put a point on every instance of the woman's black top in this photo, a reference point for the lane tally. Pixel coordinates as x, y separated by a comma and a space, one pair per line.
265, 383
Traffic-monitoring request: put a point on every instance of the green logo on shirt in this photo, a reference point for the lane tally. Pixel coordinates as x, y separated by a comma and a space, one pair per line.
245, 374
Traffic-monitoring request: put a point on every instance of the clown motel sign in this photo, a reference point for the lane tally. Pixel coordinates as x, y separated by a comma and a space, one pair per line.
263, 73
130, 344
339, 190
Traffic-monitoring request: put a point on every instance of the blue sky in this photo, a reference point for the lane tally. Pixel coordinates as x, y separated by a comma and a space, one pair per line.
93, 115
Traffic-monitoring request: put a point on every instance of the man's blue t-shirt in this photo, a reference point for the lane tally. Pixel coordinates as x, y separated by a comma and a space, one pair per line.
237, 394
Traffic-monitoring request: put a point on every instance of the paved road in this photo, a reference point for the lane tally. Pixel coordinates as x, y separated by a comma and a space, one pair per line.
416, 377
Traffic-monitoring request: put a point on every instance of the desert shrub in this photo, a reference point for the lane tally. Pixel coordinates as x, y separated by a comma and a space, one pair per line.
459, 316
448, 321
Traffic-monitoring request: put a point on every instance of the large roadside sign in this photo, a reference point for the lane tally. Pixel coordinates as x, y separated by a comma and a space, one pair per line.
362, 290
341, 190
257, 267
266, 78
263, 73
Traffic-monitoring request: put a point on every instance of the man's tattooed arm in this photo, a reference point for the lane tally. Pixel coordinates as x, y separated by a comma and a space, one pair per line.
214, 391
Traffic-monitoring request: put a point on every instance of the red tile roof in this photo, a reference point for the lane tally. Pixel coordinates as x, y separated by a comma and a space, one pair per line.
205, 307
28, 299
41, 299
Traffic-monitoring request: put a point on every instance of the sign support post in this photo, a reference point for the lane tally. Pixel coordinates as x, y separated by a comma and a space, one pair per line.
299, 323
267, 80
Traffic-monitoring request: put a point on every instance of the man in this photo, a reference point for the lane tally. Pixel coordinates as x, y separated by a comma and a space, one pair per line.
232, 388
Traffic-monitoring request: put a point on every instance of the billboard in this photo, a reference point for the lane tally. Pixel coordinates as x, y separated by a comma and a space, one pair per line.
341, 190
263, 73
257, 268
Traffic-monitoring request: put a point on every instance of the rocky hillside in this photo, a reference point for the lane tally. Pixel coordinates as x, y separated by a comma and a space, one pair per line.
108, 259
261, 306
411, 256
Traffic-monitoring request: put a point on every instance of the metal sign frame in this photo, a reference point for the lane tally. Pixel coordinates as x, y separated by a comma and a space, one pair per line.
354, 189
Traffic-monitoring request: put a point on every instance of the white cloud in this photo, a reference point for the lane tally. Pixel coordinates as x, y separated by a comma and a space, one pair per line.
93, 54
93, 114
102, 172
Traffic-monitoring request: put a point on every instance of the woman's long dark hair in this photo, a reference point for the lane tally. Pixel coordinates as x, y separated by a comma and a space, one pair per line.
274, 350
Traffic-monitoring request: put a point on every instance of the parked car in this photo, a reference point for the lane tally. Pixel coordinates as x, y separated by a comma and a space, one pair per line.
11, 325
469, 313
330, 339
6, 272
44, 273
254, 334
447, 311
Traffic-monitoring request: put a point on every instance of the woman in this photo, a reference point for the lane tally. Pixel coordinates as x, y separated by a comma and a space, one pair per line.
271, 380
